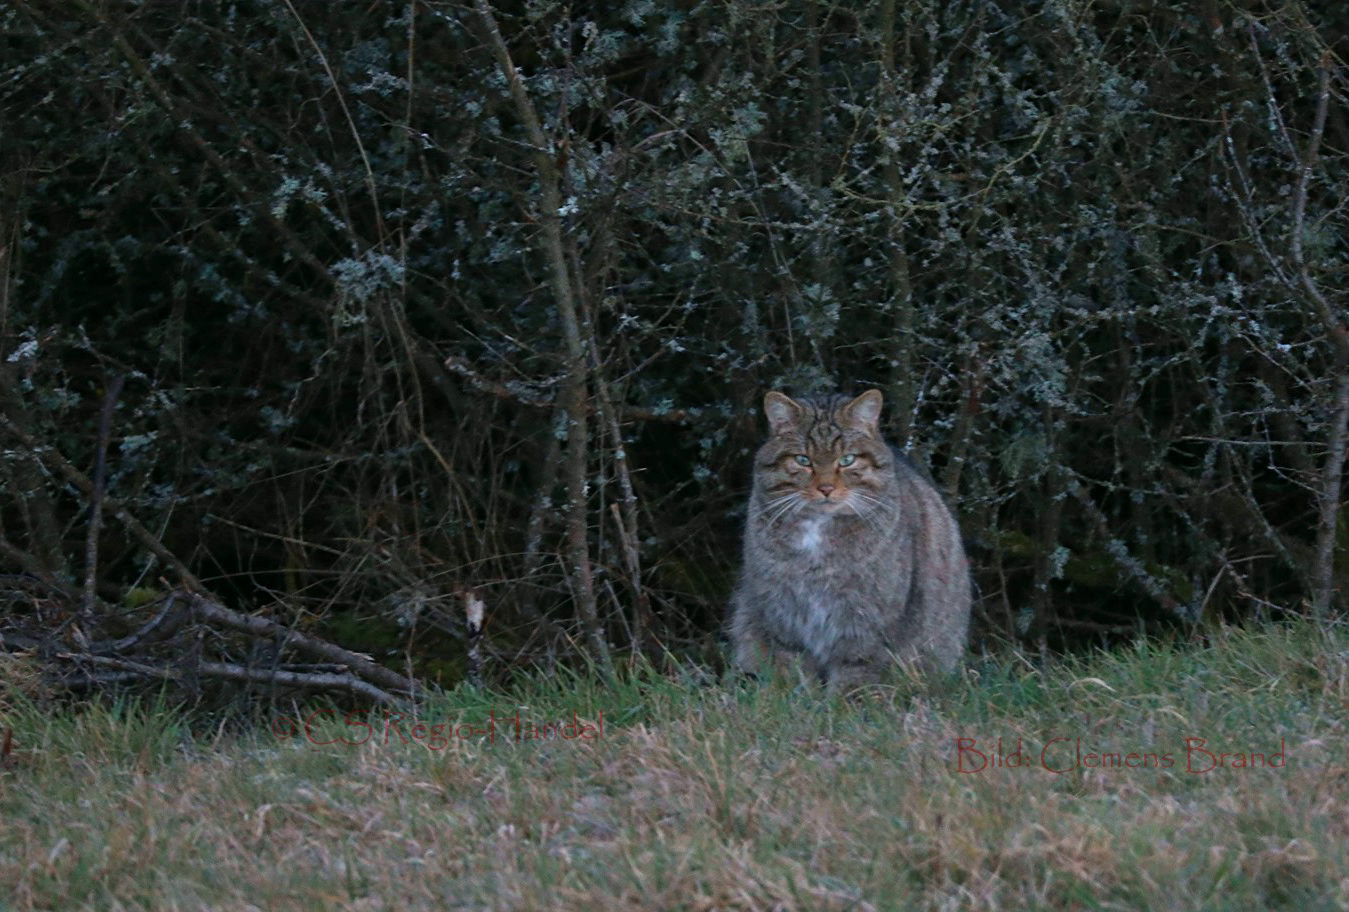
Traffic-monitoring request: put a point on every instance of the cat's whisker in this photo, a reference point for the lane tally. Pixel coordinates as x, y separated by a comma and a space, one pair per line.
878, 514
881, 507
773, 502
870, 507
780, 507
778, 501
775, 515
789, 510
871, 499
871, 522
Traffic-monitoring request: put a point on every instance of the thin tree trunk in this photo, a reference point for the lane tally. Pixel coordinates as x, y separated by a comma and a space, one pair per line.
608, 416
1329, 501
1051, 522
626, 520
100, 482
1332, 470
574, 390
973, 381
538, 514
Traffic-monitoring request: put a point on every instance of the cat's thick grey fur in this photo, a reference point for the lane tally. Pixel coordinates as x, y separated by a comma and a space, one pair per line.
850, 565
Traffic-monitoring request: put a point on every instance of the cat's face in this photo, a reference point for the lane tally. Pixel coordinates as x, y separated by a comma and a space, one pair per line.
824, 455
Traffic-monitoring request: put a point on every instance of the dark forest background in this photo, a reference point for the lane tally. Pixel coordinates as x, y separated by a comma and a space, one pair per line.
376, 307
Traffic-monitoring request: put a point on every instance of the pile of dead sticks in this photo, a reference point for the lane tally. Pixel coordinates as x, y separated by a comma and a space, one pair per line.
185, 638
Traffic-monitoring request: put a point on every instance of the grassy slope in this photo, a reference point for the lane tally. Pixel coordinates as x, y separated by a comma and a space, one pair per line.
703, 797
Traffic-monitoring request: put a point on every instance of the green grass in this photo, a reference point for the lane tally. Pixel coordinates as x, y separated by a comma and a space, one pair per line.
712, 796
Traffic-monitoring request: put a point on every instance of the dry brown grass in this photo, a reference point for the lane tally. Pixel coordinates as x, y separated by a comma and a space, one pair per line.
712, 798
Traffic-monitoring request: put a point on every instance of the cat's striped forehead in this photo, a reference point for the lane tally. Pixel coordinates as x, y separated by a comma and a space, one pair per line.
824, 418
822, 429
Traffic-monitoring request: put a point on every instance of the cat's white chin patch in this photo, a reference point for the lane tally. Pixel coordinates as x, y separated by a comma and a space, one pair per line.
811, 532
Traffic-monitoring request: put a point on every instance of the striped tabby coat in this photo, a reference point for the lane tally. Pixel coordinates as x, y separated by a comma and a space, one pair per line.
852, 561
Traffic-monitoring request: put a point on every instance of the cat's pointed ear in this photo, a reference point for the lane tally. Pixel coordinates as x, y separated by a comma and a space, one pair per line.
864, 412
784, 414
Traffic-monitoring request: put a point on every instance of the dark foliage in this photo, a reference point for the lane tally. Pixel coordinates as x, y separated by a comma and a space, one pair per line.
1074, 243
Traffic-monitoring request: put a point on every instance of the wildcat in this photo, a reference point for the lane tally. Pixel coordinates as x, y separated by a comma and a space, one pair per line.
852, 561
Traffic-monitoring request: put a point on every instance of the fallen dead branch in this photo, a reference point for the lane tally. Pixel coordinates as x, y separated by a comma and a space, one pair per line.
168, 647
214, 612
227, 671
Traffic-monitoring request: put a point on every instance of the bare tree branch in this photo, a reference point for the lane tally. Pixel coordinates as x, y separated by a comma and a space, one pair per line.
574, 391
536, 399
1327, 498
1332, 470
208, 610
228, 671
45, 453
97, 492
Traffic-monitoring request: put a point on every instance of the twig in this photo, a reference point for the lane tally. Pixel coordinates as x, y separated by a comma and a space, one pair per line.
1247, 208
628, 538
1126, 561
206, 609
1306, 166
351, 121
973, 383
516, 394
538, 514
99, 489
1272, 98
38, 451
230, 672
626, 509
91, 679
145, 630
901, 281
1051, 526
535, 400
209, 611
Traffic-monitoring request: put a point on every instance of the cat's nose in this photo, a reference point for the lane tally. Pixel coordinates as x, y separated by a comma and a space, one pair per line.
825, 489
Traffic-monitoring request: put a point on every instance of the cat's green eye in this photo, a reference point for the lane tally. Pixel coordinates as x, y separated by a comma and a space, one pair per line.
847, 460
803, 460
